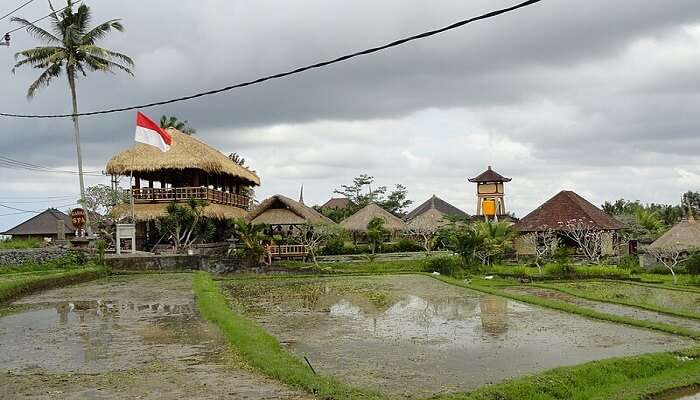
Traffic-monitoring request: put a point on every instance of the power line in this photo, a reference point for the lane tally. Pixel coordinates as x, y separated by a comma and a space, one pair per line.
18, 209
11, 199
288, 73
6, 162
16, 9
44, 17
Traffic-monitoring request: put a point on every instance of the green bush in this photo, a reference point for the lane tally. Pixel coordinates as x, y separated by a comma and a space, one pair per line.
100, 246
629, 262
334, 246
692, 264
445, 265
15, 244
403, 245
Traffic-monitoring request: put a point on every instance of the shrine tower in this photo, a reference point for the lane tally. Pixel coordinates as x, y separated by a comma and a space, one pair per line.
490, 194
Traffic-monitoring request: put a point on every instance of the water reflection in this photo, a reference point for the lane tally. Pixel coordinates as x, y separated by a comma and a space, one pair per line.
414, 316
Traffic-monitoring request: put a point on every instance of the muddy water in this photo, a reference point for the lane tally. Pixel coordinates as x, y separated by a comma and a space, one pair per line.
609, 308
686, 393
127, 337
413, 336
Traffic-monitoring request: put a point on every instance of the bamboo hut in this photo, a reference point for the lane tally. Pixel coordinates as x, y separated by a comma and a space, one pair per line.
189, 170
683, 238
432, 215
357, 223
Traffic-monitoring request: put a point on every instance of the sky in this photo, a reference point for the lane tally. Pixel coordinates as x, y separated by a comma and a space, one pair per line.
594, 96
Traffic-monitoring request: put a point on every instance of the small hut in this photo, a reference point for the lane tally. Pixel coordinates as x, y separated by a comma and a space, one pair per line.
283, 214
43, 225
189, 170
684, 237
435, 209
337, 203
559, 211
357, 223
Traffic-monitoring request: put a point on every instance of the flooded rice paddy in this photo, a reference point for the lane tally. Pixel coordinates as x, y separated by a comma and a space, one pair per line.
413, 336
686, 301
608, 308
124, 337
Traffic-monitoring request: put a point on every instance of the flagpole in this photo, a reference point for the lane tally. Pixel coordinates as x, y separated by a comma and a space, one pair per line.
131, 188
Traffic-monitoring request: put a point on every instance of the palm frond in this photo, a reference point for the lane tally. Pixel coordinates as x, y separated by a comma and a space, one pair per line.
37, 32
100, 31
44, 79
97, 63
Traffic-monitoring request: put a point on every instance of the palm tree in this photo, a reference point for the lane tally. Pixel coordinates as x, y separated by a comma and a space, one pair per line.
71, 49
173, 122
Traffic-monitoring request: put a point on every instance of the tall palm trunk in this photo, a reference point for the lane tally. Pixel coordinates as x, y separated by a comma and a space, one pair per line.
76, 126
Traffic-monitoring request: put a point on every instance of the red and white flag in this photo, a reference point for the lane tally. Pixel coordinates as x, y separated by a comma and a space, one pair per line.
148, 132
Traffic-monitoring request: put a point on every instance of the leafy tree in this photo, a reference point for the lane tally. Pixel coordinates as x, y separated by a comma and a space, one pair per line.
497, 240
251, 236
173, 122
235, 157
71, 48
395, 201
98, 201
185, 223
376, 232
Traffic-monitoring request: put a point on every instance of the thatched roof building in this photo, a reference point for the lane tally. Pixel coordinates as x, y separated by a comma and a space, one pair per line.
42, 225
152, 211
685, 235
337, 203
437, 204
187, 155
358, 221
281, 210
566, 206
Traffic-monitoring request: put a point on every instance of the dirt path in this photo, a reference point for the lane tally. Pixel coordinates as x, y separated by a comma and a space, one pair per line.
610, 308
134, 337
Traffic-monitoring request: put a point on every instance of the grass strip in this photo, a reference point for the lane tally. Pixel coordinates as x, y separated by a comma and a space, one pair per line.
623, 378
14, 286
630, 303
261, 350
571, 308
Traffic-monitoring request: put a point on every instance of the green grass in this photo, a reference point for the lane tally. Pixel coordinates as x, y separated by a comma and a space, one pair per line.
624, 378
262, 351
15, 244
632, 295
494, 288
13, 286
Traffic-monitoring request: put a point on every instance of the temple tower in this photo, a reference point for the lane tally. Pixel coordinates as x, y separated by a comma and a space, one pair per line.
490, 193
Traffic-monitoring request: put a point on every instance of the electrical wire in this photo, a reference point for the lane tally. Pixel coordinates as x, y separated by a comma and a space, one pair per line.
288, 73
16, 9
44, 17
6, 162
17, 209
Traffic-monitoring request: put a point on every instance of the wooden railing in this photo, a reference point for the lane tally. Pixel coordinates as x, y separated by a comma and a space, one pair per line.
151, 195
287, 251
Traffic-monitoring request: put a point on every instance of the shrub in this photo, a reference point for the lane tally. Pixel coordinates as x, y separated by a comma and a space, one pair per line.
15, 244
629, 262
333, 246
403, 245
445, 265
692, 264
100, 246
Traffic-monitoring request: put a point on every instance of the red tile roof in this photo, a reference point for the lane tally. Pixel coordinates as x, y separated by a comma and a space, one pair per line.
564, 207
489, 176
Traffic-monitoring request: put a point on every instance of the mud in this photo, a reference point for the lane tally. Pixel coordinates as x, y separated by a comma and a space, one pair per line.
686, 393
413, 336
124, 337
609, 308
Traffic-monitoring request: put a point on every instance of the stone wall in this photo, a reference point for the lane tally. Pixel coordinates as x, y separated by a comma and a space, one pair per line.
40, 255
179, 263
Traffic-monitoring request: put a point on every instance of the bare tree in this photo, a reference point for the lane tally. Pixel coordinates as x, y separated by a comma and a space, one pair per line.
669, 257
589, 238
544, 243
425, 230
314, 235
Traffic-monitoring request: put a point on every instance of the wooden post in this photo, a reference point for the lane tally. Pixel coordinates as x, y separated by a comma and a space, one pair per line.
60, 230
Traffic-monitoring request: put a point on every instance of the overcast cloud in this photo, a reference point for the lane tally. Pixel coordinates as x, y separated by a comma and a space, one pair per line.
594, 96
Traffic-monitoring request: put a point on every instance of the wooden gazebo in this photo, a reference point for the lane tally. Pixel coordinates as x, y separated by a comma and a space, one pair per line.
189, 170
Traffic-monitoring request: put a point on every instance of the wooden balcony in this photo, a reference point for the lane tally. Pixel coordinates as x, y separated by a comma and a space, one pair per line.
181, 194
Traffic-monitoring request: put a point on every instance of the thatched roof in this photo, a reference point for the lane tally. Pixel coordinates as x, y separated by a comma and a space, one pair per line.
566, 206
684, 235
44, 223
436, 203
358, 221
281, 210
186, 152
430, 220
489, 176
339, 203
153, 211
